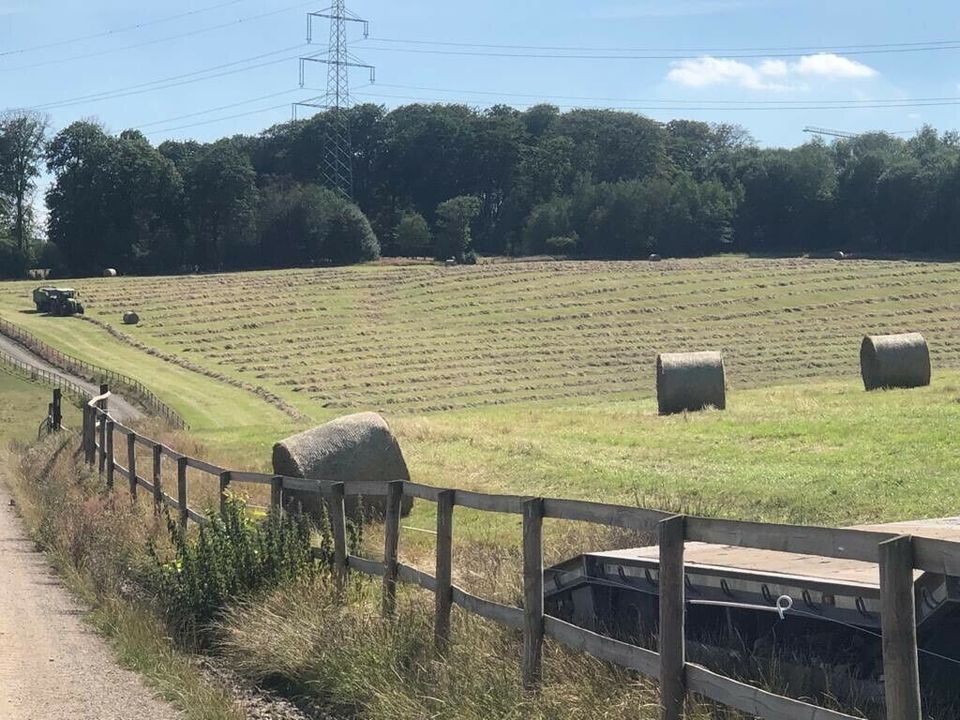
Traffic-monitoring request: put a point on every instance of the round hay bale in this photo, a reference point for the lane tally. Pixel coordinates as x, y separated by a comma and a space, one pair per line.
838, 255
109, 272
690, 381
653, 257
894, 361
130, 318
354, 447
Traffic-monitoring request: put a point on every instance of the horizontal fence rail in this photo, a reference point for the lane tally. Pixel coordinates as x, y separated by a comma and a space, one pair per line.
897, 557
29, 372
91, 372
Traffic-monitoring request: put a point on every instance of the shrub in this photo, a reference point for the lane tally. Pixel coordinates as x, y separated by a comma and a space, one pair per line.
561, 245
454, 219
231, 557
413, 235
350, 238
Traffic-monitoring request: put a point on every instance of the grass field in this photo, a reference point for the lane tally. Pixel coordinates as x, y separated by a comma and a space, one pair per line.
538, 377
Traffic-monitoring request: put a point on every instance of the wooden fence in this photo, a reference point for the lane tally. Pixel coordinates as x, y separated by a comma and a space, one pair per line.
897, 557
86, 370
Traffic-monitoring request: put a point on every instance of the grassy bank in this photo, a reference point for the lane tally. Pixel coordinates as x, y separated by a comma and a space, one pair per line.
90, 538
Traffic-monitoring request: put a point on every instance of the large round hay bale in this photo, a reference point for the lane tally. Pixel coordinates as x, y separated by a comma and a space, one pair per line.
894, 361
838, 255
109, 272
653, 257
130, 318
354, 447
690, 381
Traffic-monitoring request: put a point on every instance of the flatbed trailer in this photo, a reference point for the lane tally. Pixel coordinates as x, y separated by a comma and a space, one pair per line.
830, 607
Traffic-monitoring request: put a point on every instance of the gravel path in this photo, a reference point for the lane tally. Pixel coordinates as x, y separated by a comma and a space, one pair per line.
52, 666
120, 409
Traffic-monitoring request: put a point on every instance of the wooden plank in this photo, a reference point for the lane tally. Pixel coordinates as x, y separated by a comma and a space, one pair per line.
444, 568
224, 487
532, 593
145, 484
120, 470
302, 485
197, 517
204, 466
111, 460
505, 615
646, 662
367, 488
276, 493
103, 445
798, 539
182, 492
391, 546
490, 503
132, 464
422, 492
367, 567
631, 518
338, 526
755, 702
251, 477
411, 575
673, 692
936, 556
901, 674
157, 451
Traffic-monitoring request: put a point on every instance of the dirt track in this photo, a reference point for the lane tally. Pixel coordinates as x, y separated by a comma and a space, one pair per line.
120, 409
52, 666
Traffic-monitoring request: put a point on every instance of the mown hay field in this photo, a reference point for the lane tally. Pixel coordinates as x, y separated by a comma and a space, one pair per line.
539, 377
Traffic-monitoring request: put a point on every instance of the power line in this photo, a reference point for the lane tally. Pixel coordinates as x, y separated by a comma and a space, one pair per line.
217, 109
542, 96
672, 56
848, 49
220, 119
652, 107
156, 41
174, 80
117, 31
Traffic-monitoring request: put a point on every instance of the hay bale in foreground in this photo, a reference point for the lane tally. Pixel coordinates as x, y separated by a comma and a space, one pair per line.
110, 272
130, 318
690, 381
894, 361
354, 447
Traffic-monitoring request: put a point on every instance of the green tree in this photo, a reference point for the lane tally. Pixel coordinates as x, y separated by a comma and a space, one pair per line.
453, 236
413, 235
222, 199
22, 139
350, 238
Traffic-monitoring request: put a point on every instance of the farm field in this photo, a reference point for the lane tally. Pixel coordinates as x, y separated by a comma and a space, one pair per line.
538, 377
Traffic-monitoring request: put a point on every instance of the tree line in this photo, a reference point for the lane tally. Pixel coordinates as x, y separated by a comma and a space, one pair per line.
452, 181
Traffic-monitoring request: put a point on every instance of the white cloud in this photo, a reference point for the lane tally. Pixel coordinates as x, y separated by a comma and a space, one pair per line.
835, 67
767, 75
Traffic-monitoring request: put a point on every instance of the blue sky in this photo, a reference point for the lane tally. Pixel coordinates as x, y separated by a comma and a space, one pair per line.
773, 66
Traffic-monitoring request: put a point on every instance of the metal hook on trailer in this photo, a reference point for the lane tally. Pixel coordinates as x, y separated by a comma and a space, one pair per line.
783, 605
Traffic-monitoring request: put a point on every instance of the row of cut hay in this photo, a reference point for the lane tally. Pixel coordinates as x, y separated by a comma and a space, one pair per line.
695, 380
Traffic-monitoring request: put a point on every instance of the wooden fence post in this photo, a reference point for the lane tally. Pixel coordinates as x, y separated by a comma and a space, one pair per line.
391, 546
132, 464
673, 691
338, 524
276, 493
901, 674
224, 486
57, 414
105, 403
182, 493
85, 438
532, 592
110, 458
103, 440
157, 473
444, 569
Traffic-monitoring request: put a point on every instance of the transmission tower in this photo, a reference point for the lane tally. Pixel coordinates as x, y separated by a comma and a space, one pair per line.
337, 164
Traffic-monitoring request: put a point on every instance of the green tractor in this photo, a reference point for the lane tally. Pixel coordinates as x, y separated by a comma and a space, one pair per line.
60, 302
